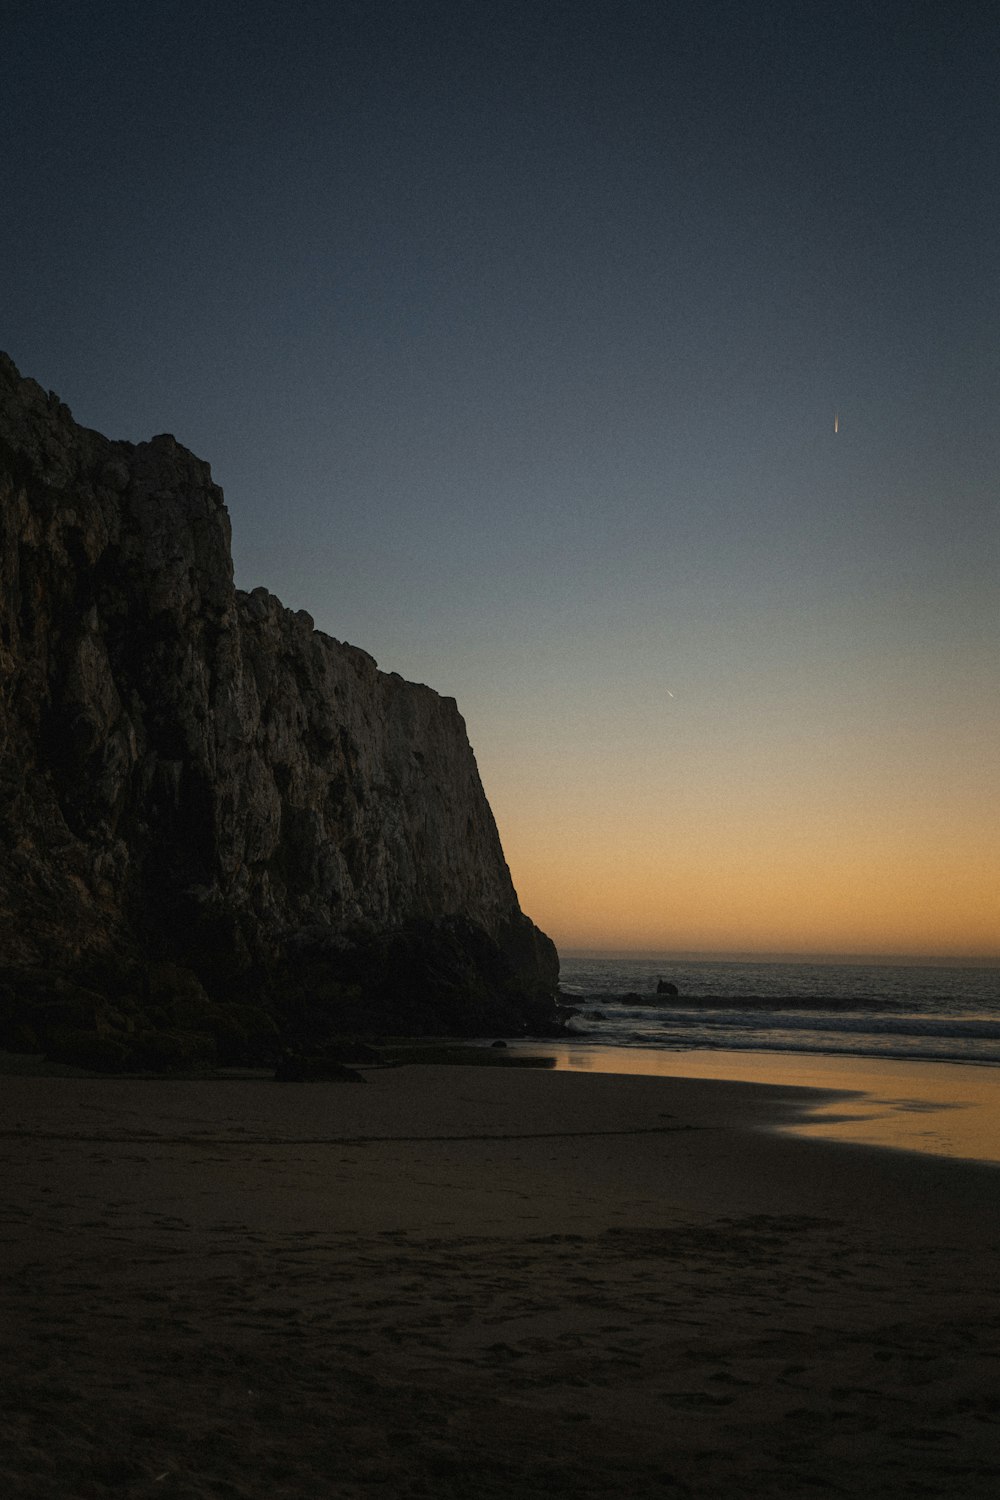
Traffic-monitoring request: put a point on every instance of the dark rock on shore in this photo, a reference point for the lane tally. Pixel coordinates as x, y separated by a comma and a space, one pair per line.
221, 831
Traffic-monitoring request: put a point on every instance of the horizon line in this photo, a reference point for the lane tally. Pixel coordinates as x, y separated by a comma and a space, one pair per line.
774, 955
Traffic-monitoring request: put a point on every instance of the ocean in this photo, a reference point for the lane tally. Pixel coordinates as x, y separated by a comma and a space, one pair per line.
919, 1012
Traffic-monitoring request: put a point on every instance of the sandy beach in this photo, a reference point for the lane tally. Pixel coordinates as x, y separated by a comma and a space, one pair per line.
495, 1283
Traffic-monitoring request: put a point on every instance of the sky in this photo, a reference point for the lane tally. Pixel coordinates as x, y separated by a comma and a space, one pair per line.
629, 371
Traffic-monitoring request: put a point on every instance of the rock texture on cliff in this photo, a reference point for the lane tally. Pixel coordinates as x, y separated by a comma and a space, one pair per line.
217, 822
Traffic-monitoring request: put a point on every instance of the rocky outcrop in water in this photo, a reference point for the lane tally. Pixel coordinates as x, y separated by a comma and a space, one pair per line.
216, 822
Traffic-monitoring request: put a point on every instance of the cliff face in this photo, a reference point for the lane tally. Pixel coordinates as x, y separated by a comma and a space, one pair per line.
204, 801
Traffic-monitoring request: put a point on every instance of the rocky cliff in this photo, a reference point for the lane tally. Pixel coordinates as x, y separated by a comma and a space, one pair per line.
216, 821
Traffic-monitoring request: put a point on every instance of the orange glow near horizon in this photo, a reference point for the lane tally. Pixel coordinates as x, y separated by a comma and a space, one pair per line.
792, 902
791, 909
883, 866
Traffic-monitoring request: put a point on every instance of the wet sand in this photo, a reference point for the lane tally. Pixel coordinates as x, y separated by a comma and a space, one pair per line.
466, 1282
944, 1108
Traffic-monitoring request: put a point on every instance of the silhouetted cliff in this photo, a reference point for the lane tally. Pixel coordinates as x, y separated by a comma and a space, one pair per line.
216, 821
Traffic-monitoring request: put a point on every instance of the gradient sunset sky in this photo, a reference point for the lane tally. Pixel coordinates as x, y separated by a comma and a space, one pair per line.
516, 334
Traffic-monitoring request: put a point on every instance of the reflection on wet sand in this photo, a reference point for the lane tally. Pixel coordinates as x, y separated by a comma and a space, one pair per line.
947, 1109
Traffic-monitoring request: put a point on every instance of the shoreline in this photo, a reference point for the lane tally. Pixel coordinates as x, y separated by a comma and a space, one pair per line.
935, 1107
942, 1108
508, 1282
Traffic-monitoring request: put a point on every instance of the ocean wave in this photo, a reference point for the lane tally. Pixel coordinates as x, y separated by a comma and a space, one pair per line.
657, 1004
857, 1022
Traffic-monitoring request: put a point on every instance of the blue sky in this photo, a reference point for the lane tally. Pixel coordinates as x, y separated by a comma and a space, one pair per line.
515, 334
